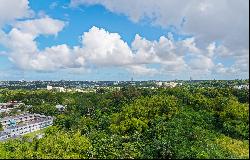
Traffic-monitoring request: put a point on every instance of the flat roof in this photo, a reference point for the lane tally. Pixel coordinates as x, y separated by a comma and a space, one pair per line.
31, 122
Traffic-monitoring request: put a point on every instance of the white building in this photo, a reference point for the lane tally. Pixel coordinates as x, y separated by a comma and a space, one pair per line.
26, 117
60, 89
3, 135
159, 84
49, 87
29, 127
242, 87
170, 84
7, 107
24, 124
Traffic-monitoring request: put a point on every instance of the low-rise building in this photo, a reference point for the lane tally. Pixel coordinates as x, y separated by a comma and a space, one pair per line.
7, 107
59, 89
3, 135
170, 84
242, 86
22, 124
29, 127
159, 84
26, 117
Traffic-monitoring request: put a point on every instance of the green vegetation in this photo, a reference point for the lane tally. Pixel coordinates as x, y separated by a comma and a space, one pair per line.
176, 123
1, 127
33, 134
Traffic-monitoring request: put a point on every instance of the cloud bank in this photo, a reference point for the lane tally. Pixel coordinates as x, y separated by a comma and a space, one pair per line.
219, 31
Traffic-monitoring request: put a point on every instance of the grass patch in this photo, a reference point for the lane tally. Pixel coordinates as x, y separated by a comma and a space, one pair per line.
33, 134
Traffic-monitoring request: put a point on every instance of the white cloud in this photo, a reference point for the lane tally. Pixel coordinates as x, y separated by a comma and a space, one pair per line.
19, 41
53, 58
201, 63
208, 21
142, 70
210, 18
240, 68
211, 49
14, 9
190, 44
140, 10
166, 52
45, 26
103, 48
100, 48
220, 69
144, 50
23, 48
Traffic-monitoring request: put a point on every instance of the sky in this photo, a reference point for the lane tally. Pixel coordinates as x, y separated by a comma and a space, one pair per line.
120, 39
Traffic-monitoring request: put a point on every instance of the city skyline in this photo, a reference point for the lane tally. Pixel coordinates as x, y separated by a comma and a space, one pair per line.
110, 40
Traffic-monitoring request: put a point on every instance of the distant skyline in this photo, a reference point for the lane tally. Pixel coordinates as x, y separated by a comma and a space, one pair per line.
120, 39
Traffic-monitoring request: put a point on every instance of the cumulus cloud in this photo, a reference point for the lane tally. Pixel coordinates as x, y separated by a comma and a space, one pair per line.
14, 9
211, 20
23, 47
208, 21
201, 63
104, 48
142, 70
98, 48
45, 26
101, 48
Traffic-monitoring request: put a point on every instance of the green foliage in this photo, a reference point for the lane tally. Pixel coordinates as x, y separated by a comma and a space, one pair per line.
177, 123
1, 127
45, 109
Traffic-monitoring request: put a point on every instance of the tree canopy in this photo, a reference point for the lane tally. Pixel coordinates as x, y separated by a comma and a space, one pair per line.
177, 123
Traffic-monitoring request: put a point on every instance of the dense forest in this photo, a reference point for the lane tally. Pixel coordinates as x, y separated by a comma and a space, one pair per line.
176, 123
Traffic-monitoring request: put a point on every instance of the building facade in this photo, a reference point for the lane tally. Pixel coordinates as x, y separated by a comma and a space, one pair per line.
24, 124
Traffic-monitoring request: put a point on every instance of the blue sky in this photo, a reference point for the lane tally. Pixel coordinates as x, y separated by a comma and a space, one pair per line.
155, 44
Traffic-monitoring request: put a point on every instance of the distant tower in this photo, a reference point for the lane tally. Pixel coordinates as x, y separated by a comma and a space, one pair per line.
191, 78
132, 79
